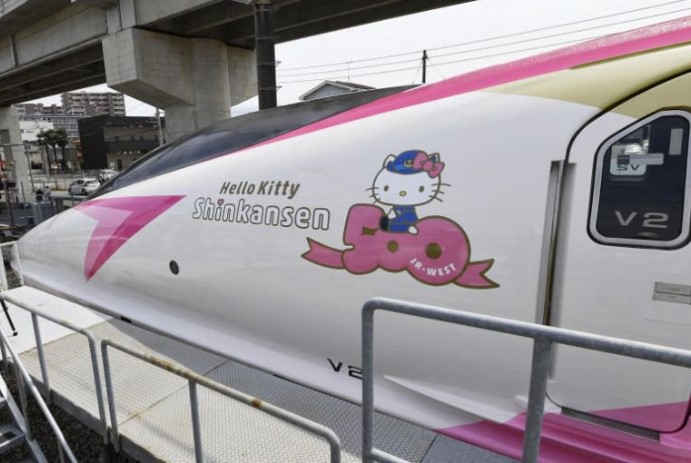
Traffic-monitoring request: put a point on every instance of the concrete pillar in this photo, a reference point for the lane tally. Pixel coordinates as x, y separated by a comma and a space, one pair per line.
194, 80
14, 155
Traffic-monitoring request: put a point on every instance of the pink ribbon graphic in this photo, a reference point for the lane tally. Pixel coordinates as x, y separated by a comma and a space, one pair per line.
424, 162
438, 254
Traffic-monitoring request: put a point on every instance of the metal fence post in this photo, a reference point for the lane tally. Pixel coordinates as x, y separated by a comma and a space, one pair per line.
196, 427
115, 438
367, 382
24, 403
5, 363
41, 356
536, 399
99, 388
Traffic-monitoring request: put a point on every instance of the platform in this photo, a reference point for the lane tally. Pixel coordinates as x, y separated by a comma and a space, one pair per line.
153, 405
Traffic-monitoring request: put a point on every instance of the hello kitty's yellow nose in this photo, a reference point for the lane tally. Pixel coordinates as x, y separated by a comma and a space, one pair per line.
402, 193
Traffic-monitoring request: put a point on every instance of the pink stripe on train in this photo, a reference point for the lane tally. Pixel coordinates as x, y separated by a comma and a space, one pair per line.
647, 38
568, 440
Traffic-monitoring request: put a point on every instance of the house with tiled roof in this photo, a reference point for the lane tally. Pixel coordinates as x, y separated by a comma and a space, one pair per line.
333, 87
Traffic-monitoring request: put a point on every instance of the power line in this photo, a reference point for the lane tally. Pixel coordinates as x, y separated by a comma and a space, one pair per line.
357, 67
491, 55
340, 63
561, 34
473, 42
455, 61
489, 47
596, 18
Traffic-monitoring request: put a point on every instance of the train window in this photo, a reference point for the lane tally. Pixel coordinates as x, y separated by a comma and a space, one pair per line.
642, 183
234, 134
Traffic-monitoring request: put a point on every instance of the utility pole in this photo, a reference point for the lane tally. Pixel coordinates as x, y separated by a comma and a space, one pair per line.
5, 180
8, 168
27, 148
161, 141
424, 66
266, 54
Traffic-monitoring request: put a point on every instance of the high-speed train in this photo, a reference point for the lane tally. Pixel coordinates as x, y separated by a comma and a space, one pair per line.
555, 190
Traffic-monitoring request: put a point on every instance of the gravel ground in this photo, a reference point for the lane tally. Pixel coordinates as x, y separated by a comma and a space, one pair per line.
85, 444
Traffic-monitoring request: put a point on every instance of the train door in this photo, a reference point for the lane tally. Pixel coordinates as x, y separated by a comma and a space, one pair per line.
623, 259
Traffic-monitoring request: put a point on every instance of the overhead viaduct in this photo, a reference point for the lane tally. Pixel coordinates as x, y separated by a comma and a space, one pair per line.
192, 58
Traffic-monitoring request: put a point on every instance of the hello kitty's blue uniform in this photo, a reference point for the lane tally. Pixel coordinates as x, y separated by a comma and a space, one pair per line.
405, 218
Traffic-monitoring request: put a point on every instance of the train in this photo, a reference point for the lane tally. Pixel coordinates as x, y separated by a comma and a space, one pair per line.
555, 190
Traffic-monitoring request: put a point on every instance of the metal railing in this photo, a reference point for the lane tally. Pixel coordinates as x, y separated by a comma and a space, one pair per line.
543, 339
24, 382
35, 314
195, 379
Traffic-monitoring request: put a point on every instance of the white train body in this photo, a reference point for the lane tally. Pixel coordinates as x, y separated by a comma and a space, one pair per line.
267, 252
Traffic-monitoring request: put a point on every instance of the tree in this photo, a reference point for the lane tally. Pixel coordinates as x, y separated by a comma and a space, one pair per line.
44, 139
53, 138
62, 141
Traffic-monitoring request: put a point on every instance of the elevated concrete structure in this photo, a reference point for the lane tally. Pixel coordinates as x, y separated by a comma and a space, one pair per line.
192, 57
140, 63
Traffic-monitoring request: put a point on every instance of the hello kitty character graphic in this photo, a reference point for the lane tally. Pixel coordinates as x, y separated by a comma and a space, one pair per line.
406, 181
435, 250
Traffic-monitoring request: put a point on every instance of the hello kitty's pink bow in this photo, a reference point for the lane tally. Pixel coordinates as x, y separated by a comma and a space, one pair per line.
424, 162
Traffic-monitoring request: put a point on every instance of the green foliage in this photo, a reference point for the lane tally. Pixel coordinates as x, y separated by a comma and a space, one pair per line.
53, 138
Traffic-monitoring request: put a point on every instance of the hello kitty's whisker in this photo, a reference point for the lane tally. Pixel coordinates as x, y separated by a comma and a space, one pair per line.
445, 184
372, 188
438, 199
439, 192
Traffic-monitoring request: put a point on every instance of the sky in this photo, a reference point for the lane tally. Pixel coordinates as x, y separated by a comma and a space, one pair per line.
458, 39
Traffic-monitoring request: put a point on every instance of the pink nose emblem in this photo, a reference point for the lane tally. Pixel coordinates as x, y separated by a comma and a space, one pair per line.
118, 219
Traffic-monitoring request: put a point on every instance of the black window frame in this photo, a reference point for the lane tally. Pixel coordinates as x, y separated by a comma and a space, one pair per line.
235, 134
685, 234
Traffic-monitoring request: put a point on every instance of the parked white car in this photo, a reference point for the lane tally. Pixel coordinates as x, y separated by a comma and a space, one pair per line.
84, 186
106, 174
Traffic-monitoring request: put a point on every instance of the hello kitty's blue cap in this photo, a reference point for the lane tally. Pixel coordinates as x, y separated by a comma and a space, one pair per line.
403, 163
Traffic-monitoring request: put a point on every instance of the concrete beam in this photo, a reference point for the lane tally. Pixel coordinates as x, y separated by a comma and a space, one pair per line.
209, 17
140, 63
102, 4
55, 88
151, 11
53, 68
19, 14
42, 79
73, 26
299, 19
37, 34
242, 72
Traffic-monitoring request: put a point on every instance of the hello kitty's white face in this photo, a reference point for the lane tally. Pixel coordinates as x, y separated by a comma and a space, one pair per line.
395, 189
